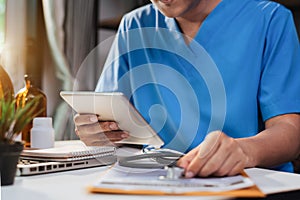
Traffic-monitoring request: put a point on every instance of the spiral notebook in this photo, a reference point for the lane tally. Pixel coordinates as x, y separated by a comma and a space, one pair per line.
66, 155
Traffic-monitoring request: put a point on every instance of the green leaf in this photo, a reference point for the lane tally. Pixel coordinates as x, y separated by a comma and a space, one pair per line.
14, 119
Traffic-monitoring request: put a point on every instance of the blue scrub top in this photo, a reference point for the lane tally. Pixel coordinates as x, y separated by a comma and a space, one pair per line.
242, 68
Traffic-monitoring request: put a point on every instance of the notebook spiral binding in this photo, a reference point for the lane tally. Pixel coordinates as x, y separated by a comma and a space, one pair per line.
93, 153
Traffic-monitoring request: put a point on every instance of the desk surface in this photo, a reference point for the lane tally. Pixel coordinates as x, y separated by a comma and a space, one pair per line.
73, 185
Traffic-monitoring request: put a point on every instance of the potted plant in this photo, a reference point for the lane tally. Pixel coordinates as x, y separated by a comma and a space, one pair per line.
12, 121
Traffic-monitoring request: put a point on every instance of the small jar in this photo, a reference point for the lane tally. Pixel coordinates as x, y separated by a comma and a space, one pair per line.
42, 133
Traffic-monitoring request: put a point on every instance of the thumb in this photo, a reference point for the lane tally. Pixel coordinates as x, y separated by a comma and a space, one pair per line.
210, 144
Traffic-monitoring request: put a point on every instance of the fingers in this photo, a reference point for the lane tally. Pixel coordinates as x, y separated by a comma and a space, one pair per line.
232, 164
98, 127
217, 155
95, 133
109, 126
202, 151
90, 122
103, 138
185, 161
237, 169
206, 150
116, 135
83, 119
216, 162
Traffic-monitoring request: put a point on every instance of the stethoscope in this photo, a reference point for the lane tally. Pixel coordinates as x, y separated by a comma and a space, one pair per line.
152, 158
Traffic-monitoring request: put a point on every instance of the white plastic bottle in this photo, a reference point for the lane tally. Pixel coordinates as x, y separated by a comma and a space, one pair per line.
42, 133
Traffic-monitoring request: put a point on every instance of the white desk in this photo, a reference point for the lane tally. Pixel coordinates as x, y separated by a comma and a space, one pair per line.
72, 185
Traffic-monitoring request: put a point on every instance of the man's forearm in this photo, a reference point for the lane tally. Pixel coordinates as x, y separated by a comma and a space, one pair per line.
278, 143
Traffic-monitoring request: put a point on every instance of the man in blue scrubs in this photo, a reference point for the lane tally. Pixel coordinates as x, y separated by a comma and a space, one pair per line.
217, 79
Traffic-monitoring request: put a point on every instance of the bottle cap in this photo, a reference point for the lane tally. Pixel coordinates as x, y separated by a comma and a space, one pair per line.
42, 122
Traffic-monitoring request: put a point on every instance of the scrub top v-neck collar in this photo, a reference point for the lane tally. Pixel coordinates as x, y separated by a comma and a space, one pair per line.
206, 28
173, 25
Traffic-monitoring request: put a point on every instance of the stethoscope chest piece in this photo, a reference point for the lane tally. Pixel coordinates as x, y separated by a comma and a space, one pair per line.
173, 173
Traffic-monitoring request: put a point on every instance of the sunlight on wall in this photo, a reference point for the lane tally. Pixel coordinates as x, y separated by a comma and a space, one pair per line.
2, 23
12, 55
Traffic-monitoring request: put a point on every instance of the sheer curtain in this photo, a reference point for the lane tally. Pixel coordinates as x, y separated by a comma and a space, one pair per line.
81, 39
71, 32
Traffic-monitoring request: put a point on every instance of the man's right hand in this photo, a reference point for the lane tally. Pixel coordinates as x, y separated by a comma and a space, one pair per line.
97, 133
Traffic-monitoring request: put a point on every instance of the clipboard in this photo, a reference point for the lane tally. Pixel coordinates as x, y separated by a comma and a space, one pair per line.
114, 106
251, 191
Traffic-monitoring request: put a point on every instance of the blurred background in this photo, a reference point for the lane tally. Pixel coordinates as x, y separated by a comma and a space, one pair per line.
50, 40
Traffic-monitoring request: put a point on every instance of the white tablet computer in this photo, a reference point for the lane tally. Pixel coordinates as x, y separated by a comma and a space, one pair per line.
114, 107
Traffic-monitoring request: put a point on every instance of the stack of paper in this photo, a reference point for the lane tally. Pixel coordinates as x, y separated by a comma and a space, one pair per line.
124, 180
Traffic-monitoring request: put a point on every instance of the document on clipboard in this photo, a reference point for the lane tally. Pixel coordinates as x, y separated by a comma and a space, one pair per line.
114, 106
124, 180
